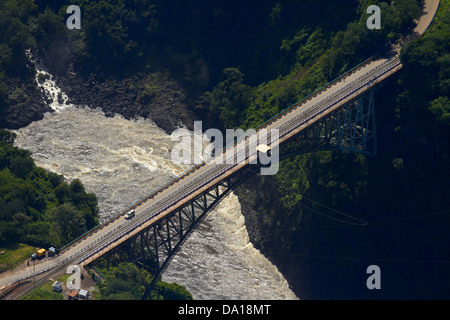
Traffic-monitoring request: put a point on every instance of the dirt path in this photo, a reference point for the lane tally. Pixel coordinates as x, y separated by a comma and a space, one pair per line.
430, 9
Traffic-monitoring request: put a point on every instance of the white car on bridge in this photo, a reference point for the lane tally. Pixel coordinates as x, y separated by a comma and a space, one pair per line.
129, 214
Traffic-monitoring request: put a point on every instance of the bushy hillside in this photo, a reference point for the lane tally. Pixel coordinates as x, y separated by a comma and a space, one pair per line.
38, 207
236, 64
401, 193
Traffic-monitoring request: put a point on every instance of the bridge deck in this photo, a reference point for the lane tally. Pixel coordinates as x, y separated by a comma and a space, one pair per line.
205, 176
201, 178
210, 174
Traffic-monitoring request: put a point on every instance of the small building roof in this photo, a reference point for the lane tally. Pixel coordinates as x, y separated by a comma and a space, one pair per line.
73, 294
84, 293
57, 286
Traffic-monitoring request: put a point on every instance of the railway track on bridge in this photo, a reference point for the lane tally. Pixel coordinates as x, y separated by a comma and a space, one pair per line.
175, 197
204, 176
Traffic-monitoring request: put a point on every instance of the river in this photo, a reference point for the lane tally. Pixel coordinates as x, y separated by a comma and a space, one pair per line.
121, 161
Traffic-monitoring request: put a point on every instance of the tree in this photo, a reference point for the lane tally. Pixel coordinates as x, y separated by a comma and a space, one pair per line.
39, 233
125, 282
440, 107
76, 187
114, 32
7, 136
15, 36
48, 27
21, 165
229, 98
172, 291
86, 203
67, 222
128, 282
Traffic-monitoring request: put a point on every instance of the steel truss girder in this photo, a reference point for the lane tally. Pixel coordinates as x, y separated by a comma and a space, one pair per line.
154, 247
351, 127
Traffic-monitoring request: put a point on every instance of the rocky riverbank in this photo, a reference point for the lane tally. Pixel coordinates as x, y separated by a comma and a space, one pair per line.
155, 96
26, 104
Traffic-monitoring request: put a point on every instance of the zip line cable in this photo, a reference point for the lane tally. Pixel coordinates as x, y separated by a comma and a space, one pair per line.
364, 223
332, 209
346, 223
327, 227
381, 221
336, 219
360, 223
360, 258
410, 217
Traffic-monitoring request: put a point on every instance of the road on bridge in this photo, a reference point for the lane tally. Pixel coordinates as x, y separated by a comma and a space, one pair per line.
207, 175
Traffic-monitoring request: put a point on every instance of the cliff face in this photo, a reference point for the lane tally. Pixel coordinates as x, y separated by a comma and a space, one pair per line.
155, 96
273, 231
25, 103
300, 47
148, 95
399, 193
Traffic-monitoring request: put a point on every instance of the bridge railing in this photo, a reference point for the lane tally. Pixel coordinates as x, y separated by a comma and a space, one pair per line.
194, 168
317, 92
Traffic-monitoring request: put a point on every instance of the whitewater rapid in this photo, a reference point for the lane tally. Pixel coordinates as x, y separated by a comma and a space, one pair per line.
121, 161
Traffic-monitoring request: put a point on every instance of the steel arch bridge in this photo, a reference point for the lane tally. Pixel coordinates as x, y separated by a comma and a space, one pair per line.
341, 116
350, 126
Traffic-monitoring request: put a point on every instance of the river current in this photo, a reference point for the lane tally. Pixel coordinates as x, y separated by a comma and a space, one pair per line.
121, 161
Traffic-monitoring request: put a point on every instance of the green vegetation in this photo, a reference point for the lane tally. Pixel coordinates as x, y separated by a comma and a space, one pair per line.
241, 63
14, 40
225, 103
408, 178
45, 292
14, 254
15, 37
38, 207
127, 282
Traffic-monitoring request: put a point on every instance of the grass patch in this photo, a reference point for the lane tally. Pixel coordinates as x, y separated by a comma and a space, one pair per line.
45, 292
14, 254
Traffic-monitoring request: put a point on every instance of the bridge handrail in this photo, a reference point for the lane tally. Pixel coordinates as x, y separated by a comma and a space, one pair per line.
194, 168
298, 103
385, 67
190, 170
317, 92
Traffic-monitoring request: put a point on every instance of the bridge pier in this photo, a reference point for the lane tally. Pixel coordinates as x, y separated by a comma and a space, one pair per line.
351, 127
154, 247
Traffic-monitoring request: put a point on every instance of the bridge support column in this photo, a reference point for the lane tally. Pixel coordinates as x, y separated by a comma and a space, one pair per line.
154, 247
351, 127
